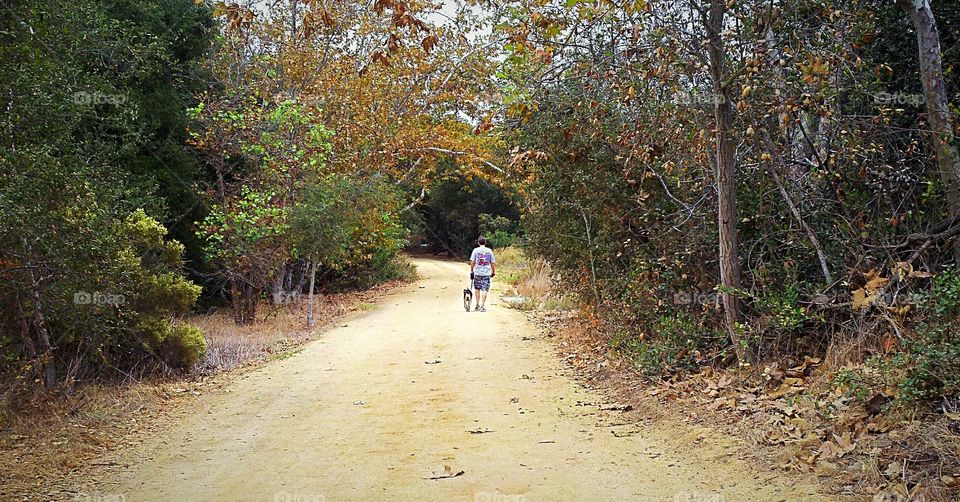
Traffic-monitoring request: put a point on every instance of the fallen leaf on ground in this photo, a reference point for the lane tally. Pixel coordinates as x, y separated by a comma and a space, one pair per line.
448, 472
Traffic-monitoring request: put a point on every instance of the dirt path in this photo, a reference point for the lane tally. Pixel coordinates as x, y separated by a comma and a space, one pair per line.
361, 415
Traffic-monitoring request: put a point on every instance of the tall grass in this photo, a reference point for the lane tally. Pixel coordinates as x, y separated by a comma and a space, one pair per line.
532, 279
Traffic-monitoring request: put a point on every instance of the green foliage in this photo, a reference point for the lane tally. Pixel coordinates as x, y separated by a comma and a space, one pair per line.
932, 357
782, 311
678, 345
352, 228
617, 151
927, 365
458, 210
184, 346
95, 96
500, 231
243, 226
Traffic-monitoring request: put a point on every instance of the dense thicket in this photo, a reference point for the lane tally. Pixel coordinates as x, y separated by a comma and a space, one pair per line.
841, 218
93, 97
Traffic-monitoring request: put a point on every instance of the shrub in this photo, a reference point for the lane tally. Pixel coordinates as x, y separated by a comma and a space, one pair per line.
184, 346
928, 363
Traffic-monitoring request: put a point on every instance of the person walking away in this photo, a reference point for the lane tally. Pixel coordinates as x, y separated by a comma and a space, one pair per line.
483, 266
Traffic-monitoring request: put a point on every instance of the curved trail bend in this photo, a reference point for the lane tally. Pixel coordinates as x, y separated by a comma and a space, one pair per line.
360, 415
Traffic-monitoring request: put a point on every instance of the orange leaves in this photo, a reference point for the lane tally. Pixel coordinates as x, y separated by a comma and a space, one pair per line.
867, 295
402, 17
394, 90
429, 42
380, 57
237, 17
814, 68
873, 292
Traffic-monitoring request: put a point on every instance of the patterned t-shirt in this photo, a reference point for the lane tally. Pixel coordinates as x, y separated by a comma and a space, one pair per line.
482, 258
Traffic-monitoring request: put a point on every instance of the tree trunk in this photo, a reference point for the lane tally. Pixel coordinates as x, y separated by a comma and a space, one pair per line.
243, 299
313, 279
278, 293
725, 174
29, 348
38, 323
935, 97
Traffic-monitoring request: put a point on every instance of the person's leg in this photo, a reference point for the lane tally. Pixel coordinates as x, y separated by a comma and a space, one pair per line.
483, 295
476, 294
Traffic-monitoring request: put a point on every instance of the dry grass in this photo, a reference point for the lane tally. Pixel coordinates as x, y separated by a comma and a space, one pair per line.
51, 437
282, 328
533, 280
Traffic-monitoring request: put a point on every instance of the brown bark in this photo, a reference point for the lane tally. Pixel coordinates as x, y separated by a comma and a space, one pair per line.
38, 324
935, 97
29, 348
313, 279
243, 300
725, 174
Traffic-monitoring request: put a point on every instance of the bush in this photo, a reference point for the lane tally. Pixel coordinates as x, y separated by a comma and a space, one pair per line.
927, 366
184, 346
675, 345
932, 356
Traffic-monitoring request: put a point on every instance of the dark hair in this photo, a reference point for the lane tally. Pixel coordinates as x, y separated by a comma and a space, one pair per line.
482, 241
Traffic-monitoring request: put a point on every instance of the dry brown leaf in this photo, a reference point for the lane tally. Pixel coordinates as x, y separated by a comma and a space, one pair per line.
876, 284
861, 301
903, 269
845, 442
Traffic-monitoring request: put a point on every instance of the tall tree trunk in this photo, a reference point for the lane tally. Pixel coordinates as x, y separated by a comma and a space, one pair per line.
725, 174
935, 97
38, 323
313, 280
278, 293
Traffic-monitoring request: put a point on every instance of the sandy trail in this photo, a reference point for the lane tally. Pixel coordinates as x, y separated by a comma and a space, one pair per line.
359, 415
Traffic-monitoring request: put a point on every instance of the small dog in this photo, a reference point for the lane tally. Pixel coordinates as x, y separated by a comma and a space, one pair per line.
467, 298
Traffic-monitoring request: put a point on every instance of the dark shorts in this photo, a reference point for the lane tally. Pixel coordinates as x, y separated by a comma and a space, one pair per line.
481, 282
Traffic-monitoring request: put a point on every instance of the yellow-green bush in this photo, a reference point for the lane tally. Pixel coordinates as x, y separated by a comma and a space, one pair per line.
184, 346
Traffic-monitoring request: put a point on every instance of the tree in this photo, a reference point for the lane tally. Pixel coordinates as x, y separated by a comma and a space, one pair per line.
319, 226
726, 166
939, 115
90, 285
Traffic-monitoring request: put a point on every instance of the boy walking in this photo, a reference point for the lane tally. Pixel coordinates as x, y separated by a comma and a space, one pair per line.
482, 268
